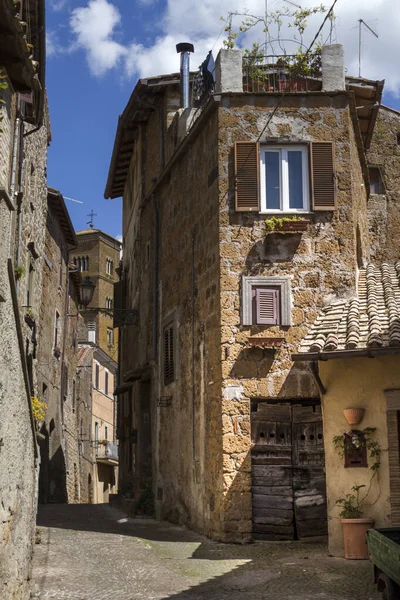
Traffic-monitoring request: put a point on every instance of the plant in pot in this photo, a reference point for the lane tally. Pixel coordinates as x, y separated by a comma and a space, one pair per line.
355, 526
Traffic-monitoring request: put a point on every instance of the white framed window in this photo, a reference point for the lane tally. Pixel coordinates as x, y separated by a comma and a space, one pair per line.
109, 302
284, 179
110, 336
109, 266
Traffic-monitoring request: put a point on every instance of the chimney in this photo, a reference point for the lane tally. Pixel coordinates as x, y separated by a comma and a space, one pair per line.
184, 49
333, 74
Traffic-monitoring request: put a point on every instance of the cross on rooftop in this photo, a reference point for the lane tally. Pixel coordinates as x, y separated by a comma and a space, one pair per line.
91, 215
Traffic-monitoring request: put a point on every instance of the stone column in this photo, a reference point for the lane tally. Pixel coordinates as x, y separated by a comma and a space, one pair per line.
333, 78
228, 71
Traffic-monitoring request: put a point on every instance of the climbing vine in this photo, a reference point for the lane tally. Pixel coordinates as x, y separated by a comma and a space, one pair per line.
360, 439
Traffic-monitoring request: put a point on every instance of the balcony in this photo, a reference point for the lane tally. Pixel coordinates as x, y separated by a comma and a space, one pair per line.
106, 452
282, 73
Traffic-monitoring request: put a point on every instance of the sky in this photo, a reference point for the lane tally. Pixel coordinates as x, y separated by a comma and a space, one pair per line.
97, 49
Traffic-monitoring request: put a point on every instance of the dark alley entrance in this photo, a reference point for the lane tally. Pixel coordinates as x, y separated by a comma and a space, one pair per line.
288, 479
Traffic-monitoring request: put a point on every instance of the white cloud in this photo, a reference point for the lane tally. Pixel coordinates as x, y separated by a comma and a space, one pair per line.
51, 45
199, 23
94, 28
58, 5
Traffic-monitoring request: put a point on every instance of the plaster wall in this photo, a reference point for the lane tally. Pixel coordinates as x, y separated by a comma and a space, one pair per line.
357, 382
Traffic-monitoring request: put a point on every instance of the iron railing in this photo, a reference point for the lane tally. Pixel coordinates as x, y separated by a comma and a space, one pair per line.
281, 73
106, 450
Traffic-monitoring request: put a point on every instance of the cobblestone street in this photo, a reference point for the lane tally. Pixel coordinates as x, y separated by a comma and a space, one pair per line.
91, 552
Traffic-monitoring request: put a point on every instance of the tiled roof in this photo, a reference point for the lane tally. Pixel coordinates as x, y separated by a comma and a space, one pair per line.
371, 320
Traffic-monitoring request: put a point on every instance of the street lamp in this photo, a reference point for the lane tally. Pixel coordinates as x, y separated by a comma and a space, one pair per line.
87, 290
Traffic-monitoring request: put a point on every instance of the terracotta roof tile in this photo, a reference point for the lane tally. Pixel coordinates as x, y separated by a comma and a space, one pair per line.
369, 320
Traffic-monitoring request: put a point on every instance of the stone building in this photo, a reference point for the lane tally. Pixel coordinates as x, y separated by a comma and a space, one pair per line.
24, 137
102, 435
97, 256
242, 218
66, 454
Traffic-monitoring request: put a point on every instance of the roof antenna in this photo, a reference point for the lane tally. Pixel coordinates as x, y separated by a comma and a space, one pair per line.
362, 22
91, 215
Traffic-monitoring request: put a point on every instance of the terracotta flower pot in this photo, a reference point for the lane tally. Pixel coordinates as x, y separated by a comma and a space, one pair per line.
354, 416
355, 537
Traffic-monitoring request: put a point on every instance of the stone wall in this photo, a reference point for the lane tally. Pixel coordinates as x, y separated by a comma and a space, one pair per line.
321, 265
384, 209
18, 448
66, 459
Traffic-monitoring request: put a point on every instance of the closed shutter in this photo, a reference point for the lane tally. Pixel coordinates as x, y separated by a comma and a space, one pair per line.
266, 305
323, 175
247, 176
169, 367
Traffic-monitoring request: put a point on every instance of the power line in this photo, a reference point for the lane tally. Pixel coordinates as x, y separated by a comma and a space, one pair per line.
328, 14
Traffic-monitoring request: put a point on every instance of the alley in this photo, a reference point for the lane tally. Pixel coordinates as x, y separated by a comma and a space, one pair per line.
92, 552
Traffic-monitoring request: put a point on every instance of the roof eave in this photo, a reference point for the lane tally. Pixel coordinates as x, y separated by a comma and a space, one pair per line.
334, 354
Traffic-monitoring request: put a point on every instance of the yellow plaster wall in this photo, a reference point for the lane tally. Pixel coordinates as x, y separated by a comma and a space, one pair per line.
357, 382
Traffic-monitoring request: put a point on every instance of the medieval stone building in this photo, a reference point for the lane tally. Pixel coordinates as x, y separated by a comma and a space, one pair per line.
66, 454
242, 218
24, 137
97, 256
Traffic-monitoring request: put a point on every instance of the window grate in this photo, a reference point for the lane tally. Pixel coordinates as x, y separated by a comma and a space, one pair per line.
169, 363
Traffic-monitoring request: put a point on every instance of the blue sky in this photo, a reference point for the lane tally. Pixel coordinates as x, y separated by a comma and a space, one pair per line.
97, 49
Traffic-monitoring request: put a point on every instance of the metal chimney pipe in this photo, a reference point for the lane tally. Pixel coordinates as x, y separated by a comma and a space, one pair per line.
184, 49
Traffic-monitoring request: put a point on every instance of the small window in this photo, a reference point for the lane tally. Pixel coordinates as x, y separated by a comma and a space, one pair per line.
376, 181
109, 303
109, 266
96, 433
266, 305
57, 330
169, 359
266, 301
105, 432
74, 399
110, 336
284, 179
97, 376
106, 383
60, 270
30, 283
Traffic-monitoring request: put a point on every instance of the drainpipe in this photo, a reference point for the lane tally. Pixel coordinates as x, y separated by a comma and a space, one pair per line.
184, 49
193, 353
155, 280
16, 145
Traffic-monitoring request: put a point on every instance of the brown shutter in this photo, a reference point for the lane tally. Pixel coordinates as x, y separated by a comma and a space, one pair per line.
169, 369
267, 306
323, 175
247, 176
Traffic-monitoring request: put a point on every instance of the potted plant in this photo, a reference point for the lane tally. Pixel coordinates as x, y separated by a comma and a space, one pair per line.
355, 526
19, 272
286, 224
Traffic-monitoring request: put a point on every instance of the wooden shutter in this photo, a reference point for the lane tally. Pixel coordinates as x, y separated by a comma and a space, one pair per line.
323, 175
247, 176
169, 368
267, 306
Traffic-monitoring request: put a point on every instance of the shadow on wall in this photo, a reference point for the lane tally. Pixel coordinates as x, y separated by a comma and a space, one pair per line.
52, 474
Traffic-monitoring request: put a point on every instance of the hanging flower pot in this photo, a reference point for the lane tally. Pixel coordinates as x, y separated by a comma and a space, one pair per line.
354, 416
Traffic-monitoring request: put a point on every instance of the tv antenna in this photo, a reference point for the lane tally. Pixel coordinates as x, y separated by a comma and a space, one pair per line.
360, 23
91, 215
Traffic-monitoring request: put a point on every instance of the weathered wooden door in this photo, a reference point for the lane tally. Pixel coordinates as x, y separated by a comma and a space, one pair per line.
288, 479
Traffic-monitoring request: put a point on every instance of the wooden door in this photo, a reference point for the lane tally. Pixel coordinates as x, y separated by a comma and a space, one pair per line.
288, 480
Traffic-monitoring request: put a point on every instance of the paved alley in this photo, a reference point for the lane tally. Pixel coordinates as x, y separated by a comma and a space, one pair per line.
92, 552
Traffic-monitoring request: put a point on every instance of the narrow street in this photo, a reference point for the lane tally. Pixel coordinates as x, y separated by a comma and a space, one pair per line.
92, 552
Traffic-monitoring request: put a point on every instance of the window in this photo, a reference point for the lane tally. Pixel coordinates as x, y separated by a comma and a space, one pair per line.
376, 181
109, 303
60, 269
105, 432
92, 332
284, 179
266, 301
168, 357
110, 336
30, 283
74, 398
109, 266
290, 178
96, 433
106, 382
97, 376
57, 335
